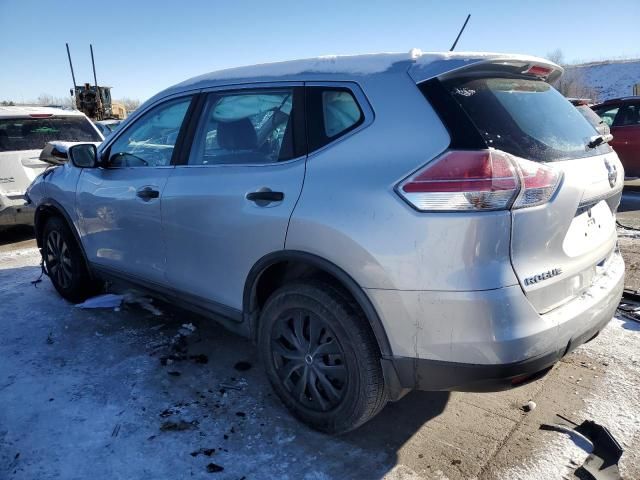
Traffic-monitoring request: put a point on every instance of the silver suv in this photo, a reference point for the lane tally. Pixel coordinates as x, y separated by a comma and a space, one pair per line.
374, 223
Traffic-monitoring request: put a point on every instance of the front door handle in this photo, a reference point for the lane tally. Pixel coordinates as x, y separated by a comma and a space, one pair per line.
147, 193
265, 196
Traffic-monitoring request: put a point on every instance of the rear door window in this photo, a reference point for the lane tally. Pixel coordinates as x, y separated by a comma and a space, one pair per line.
34, 133
608, 114
249, 127
331, 113
628, 115
527, 118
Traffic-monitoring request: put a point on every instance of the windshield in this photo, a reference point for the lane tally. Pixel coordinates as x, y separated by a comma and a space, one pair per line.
527, 118
34, 133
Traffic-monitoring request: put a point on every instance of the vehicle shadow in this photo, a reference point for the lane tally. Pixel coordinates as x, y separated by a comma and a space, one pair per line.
16, 234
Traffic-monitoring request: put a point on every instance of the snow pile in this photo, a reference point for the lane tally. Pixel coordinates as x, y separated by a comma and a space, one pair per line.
611, 79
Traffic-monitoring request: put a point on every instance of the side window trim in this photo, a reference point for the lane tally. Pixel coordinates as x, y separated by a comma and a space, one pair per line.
105, 149
197, 121
363, 102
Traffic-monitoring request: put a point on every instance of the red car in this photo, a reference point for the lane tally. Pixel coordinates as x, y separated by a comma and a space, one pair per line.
623, 116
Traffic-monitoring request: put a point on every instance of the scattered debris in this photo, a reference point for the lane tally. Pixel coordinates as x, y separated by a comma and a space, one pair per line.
530, 405
602, 462
242, 366
187, 329
107, 300
224, 386
213, 468
200, 358
179, 426
629, 307
456, 462
204, 451
133, 298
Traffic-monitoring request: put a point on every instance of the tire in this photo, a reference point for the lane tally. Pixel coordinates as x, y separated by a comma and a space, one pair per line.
321, 356
64, 262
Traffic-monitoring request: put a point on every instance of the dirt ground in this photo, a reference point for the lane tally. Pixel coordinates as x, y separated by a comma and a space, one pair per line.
87, 394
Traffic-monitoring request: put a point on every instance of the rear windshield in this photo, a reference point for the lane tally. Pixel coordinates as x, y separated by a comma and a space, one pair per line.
527, 118
34, 133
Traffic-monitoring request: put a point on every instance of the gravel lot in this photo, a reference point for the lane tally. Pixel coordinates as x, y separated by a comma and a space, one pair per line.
84, 394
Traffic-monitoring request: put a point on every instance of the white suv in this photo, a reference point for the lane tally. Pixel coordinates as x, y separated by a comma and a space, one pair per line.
24, 131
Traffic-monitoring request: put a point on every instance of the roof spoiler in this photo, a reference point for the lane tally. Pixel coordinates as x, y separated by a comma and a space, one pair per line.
429, 66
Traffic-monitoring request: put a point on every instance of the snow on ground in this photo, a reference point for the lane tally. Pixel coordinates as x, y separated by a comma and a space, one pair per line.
613, 404
84, 394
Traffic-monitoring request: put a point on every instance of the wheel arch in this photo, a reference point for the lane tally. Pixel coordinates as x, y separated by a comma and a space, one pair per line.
276, 268
51, 208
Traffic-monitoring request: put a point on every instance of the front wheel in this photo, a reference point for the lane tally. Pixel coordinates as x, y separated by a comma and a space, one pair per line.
321, 356
65, 263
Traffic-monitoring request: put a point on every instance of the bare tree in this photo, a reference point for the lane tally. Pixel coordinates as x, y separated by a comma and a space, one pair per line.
572, 83
47, 99
44, 99
130, 104
556, 56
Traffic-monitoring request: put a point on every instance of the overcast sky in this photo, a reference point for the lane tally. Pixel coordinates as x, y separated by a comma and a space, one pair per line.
142, 47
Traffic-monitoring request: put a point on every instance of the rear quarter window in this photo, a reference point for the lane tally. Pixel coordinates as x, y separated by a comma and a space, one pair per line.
332, 112
527, 118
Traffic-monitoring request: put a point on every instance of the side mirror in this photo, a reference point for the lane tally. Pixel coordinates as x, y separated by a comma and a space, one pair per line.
54, 153
84, 155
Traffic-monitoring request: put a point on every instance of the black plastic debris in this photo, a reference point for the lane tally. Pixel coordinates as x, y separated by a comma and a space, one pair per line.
630, 305
214, 468
178, 426
242, 366
207, 452
200, 358
602, 462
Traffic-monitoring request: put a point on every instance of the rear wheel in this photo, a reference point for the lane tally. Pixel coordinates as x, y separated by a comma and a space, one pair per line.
321, 356
64, 262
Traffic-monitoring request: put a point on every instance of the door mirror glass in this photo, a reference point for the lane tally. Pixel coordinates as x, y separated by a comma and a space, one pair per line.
84, 155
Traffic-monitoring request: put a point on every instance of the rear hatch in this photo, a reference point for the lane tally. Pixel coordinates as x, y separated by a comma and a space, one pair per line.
560, 242
21, 141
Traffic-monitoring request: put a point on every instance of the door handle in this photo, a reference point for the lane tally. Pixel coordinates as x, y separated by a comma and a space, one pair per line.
147, 193
264, 197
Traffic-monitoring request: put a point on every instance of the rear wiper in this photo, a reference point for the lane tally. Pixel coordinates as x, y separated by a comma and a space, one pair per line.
599, 140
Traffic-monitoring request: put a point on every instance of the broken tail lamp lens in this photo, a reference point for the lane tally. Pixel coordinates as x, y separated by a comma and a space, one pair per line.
482, 180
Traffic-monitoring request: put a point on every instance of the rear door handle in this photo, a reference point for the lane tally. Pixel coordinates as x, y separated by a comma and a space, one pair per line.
147, 193
266, 196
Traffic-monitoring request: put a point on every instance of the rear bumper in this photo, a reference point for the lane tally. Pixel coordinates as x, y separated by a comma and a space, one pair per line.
17, 215
495, 340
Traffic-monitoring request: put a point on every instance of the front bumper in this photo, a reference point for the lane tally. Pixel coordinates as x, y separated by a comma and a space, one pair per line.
491, 340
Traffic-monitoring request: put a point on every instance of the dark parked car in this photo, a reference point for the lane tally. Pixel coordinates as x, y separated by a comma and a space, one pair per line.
584, 107
623, 116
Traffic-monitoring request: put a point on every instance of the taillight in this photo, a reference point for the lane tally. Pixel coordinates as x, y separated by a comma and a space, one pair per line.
478, 180
539, 183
